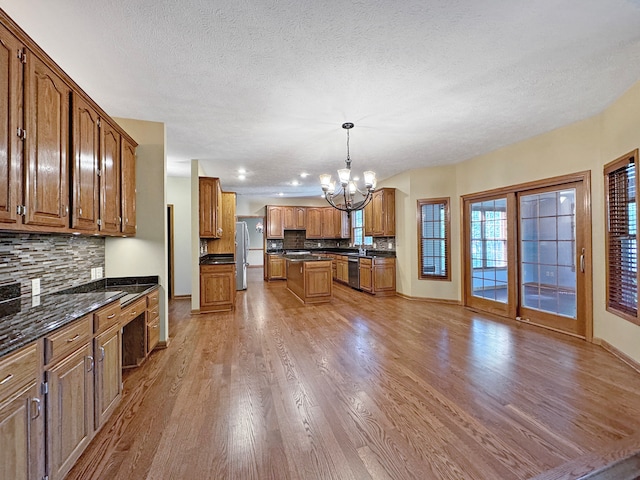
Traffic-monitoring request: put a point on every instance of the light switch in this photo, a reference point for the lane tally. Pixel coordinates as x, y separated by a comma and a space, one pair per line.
35, 287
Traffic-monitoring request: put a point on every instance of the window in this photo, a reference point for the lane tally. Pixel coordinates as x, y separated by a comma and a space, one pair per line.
433, 239
621, 236
357, 226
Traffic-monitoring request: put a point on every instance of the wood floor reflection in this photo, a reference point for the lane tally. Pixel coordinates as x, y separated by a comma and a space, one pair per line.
361, 388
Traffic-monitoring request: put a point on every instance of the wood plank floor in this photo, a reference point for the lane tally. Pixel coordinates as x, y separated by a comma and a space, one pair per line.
361, 388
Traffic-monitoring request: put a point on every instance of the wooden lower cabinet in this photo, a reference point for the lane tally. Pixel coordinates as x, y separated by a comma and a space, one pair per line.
366, 274
378, 275
217, 287
275, 267
342, 269
21, 416
153, 320
108, 373
70, 412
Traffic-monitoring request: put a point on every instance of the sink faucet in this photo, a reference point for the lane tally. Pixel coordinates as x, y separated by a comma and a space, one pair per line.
362, 251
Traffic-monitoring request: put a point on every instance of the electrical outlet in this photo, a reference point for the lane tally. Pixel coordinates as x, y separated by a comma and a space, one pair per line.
390, 245
35, 287
99, 273
93, 274
273, 245
319, 244
375, 245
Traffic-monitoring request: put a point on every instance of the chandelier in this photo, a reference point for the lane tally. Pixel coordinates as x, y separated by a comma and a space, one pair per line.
348, 197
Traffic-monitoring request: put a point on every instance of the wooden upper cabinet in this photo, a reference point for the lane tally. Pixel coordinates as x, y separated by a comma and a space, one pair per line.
84, 167
10, 121
209, 206
275, 221
227, 241
314, 222
128, 184
368, 219
110, 200
329, 229
294, 218
46, 111
383, 213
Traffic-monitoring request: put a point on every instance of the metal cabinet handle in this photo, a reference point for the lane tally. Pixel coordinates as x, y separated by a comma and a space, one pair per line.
92, 363
111, 316
70, 340
102, 354
6, 379
582, 261
38, 407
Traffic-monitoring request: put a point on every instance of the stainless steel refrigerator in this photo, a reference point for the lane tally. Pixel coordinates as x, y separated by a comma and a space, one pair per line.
242, 250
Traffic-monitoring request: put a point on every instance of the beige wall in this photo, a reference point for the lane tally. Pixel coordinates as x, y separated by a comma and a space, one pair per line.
146, 253
179, 195
255, 206
584, 146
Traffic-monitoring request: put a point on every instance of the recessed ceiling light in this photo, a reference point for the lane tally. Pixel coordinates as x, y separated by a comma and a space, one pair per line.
355, 179
281, 194
304, 174
242, 177
242, 171
295, 182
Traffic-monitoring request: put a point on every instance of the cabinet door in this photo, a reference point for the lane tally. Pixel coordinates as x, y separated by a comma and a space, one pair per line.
46, 110
69, 410
108, 373
377, 214
84, 168
110, 214
299, 218
10, 121
314, 222
329, 227
368, 219
128, 184
275, 222
19, 444
227, 241
288, 220
217, 288
209, 205
384, 276
366, 280
276, 267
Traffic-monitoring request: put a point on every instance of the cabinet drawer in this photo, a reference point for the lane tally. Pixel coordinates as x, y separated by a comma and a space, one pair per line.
132, 311
153, 299
17, 371
106, 317
67, 339
153, 334
153, 314
365, 262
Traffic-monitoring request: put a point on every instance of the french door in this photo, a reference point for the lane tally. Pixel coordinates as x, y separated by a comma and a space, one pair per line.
526, 255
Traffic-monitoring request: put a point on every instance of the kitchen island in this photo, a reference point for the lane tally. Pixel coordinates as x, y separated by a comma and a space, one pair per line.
309, 277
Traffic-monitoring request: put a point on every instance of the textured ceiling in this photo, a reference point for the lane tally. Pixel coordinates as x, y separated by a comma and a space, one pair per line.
265, 85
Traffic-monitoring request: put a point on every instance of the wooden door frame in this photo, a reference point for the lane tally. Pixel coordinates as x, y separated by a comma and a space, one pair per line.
585, 178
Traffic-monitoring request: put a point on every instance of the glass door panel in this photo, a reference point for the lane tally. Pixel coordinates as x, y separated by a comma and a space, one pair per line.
549, 242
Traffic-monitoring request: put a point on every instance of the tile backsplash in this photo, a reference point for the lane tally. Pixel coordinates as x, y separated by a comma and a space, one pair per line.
59, 261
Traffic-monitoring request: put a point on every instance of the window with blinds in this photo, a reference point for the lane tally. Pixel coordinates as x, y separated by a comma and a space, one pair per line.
433, 239
621, 236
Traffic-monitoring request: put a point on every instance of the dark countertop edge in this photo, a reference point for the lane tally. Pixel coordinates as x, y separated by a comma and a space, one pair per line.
52, 326
370, 254
310, 258
76, 314
217, 259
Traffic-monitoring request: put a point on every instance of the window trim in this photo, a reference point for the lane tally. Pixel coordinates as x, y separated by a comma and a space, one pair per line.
613, 166
446, 201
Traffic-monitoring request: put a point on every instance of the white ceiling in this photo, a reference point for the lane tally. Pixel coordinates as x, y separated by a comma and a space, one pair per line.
266, 84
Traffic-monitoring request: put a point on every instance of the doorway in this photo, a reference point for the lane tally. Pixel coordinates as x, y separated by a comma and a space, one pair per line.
526, 253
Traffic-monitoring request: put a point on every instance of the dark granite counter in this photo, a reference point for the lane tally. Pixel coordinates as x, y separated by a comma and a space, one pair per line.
25, 320
216, 259
305, 258
338, 251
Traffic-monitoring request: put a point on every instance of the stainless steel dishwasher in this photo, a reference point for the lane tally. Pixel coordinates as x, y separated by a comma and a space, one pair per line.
354, 272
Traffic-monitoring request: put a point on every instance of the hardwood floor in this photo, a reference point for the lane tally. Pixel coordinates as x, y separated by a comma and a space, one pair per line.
361, 388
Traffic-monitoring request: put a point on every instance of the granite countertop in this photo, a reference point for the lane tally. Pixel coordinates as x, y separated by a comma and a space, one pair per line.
26, 319
306, 258
337, 251
216, 259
